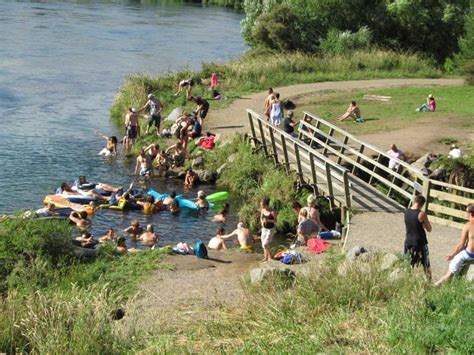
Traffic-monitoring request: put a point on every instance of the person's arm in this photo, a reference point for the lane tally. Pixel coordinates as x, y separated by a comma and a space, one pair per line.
230, 235
127, 230
148, 148
101, 135
170, 148
137, 166
147, 104
317, 218
462, 243
423, 218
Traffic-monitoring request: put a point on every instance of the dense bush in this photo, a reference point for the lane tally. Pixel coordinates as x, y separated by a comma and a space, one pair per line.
29, 245
340, 42
430, 27
469, 72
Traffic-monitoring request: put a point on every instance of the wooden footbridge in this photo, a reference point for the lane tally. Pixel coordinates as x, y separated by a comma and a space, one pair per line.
353, 174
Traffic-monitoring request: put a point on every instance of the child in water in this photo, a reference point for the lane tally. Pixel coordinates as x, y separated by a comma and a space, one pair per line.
111, 147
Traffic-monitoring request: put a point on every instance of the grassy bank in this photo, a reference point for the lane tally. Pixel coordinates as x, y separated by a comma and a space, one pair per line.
258, 70
52, 302
397, 113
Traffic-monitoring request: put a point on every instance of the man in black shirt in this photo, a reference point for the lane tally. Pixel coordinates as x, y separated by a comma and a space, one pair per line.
416, 244
288, 124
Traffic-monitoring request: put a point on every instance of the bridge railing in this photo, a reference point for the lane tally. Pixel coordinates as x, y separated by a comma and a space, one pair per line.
325, 177
446, 202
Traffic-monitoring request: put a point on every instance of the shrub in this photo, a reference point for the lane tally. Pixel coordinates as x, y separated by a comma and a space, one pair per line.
469, 72
343, 42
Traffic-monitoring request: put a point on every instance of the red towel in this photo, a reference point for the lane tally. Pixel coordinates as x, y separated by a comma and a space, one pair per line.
317, 246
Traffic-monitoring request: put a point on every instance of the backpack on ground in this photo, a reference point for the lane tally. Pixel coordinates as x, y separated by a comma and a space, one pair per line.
200, 250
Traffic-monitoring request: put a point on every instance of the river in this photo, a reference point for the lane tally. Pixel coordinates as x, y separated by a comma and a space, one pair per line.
62, 62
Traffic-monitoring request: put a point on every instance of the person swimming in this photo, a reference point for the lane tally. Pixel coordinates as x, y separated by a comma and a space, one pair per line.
111, 145
149, 237
201, 200
80, 220
109, 236
134, 229
222, 214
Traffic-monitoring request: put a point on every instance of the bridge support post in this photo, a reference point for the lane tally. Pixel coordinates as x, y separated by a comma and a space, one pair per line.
274, 148
285, 153
330, 189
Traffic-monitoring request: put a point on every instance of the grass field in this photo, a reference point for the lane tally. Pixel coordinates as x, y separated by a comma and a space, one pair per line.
452, 107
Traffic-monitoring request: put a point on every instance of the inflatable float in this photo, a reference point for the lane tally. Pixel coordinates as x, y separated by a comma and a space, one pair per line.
61, 202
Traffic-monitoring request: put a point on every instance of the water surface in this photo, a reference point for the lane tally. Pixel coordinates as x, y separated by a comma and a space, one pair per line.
61, 63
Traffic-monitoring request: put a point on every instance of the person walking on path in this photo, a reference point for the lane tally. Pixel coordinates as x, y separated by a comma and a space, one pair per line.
463, 252
267, 105
155, 107
268, 219
416, 243
276, 113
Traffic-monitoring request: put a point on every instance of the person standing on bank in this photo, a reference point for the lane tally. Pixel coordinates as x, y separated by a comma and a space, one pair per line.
155, 107
416, 243
268, 220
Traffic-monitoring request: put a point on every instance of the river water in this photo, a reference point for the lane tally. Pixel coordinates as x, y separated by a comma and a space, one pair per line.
62, 62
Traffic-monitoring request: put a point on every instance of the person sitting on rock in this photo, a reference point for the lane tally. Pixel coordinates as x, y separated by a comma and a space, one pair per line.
190, 179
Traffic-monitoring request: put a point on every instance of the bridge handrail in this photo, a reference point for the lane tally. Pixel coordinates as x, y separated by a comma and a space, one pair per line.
407, 166
343, 172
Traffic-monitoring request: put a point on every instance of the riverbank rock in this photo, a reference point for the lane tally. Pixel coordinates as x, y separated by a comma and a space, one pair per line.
260, 274
197, 162
206, 176
388, 261
469, 272
354, 253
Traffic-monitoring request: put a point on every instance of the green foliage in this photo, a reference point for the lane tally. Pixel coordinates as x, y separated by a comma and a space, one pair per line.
429, 27
343, 42
236, 4
281, 29
469, 72
361, 310
466, 44
31, 243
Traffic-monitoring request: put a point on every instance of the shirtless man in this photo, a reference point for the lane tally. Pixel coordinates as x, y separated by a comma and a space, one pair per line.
143, 165
131, 128
464, 251
80, 220
243, 235
149, 237
190, 179
134, 230
267, 105
218, 242
87, 240
353, 112
109, 236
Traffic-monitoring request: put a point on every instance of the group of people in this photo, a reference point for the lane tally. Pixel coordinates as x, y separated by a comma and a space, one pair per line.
416, 242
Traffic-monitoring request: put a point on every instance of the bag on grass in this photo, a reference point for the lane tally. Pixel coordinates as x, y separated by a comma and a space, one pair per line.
200, 250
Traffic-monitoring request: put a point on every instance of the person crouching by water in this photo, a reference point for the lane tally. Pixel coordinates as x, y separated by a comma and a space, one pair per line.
218, 242
149, 237
268, 220
244, 238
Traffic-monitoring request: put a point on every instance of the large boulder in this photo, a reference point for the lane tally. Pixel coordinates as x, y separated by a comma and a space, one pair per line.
197, 162
468, 272
355, 252
206, 176
388, 261
260, 274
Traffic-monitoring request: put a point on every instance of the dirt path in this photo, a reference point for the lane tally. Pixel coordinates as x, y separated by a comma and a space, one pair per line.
386, 231
233, 118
